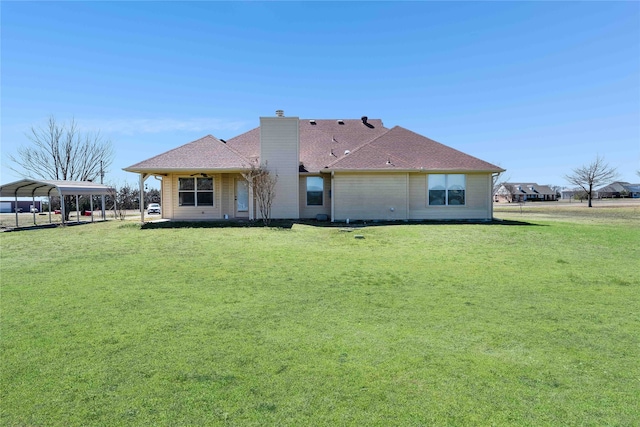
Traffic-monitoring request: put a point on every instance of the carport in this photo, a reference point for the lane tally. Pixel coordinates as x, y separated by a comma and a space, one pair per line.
47, 188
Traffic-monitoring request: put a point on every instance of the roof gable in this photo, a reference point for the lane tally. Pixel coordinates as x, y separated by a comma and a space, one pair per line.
202, 154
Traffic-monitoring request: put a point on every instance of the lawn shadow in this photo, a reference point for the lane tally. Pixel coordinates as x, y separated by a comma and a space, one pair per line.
288, 224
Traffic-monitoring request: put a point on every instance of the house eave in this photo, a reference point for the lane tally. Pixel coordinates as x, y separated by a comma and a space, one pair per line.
164, 171
410, 170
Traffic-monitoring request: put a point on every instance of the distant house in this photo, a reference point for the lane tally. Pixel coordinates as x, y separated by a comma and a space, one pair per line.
513, 192
10, 206
619, 189
573, 193
337, 169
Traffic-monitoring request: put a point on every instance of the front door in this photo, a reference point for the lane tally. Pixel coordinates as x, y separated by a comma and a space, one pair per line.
242, 198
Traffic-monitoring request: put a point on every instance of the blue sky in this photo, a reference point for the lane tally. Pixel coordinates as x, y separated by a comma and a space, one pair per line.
535, 87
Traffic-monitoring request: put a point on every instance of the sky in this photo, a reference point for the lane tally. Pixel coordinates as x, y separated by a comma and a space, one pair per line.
537, 88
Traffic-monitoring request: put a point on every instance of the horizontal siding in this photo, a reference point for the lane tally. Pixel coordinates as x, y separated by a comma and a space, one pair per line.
478, 200
312, 211
279, 149
191, 213
370, 196
166, 207
226, 197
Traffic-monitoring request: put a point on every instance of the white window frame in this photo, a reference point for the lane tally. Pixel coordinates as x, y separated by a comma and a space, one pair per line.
447, 187
195, 191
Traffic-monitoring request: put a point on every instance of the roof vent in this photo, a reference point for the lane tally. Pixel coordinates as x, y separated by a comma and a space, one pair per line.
340, 122
280, 113
313, 122
223, 141
364, 119
346, 152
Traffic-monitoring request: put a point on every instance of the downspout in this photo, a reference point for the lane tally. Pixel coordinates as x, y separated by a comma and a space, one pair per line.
161, 195
333, 197
494, 176
407, 215
143, 178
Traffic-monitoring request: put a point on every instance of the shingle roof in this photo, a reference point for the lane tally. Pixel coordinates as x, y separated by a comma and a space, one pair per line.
321, 143
400, 148
526, 188
324, 144
206, 153
614, 187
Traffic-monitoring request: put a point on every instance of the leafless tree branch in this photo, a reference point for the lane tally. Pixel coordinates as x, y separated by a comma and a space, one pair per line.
592, 175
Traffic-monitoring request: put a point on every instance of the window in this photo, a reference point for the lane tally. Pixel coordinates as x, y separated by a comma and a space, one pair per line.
195, 191
315, 190
447, 189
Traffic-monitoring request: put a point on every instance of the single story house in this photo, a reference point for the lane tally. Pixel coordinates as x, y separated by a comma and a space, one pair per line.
11, 206
573, 193
523, 192
339, 169
619, 189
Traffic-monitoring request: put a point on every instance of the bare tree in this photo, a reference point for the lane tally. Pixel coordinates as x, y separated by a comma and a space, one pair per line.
557, 189
592, 175
263, 184
496, 182
62, 152
505, 190
112, 199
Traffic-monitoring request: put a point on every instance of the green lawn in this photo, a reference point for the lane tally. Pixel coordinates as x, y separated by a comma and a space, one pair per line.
452, 324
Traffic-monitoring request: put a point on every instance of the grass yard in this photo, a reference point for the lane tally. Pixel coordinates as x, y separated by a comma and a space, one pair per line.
535, 325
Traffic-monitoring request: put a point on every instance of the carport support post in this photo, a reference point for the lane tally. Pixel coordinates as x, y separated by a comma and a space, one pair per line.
16, 208
91, 205
33, 209
77, 209
62, 209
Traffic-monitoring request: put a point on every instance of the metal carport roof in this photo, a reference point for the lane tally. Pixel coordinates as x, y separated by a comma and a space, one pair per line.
33, 188
47, 188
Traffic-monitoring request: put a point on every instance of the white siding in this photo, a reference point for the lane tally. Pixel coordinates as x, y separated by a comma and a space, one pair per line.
370, 196
279, 150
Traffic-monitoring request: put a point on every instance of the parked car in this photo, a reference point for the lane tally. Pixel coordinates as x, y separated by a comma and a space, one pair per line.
34, 210
153, 208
